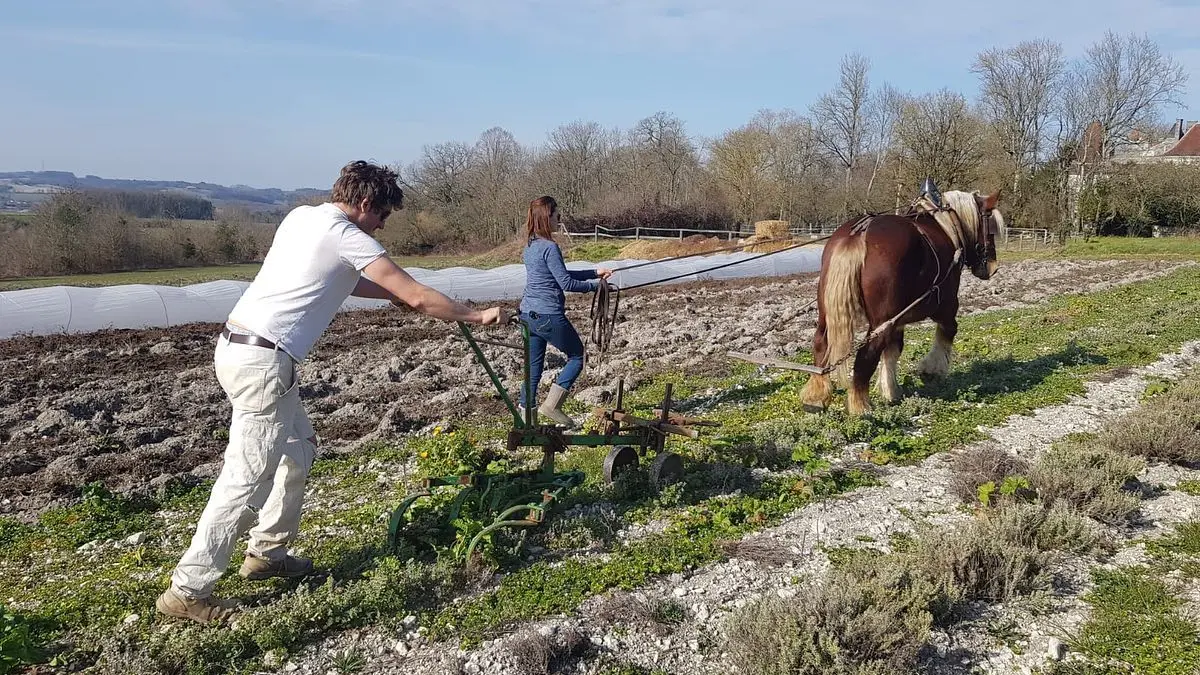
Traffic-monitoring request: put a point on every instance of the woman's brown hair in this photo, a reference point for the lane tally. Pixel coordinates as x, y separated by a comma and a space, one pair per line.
538, 223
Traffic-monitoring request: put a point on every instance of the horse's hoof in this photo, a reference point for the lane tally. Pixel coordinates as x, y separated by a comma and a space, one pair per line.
813, 408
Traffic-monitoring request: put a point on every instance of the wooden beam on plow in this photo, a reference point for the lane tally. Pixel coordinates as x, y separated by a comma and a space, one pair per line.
778, 363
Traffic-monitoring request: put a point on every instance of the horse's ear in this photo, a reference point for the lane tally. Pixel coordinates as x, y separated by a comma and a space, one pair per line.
989, 202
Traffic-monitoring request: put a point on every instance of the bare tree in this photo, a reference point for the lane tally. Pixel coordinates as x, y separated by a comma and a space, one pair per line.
1019, 86
741, 162
441, 173
1122, 83
666, 153
574, 163
496, 176
883, 112
939, 137
839, 115
792, 152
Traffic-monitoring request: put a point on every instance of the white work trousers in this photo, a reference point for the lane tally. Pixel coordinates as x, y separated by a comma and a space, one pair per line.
266, 466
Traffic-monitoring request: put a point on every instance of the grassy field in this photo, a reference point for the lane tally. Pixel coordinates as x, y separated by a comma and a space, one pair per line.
96, 602
165, 277
1172, 248
1107, 248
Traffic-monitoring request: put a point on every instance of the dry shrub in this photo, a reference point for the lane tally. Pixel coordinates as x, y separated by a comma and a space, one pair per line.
862, 620
71, 234
765, 552
872, 613
538, 654
1061, 528
992, 558
1187, 393
1001, 554
420, 231
978, 466
696, 215
1170, 433
1090, 477
622, 607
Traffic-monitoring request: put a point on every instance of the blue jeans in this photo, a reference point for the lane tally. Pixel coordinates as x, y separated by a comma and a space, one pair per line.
554, 329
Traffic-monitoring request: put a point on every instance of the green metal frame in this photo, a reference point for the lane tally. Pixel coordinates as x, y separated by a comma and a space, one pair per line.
527, 434
543, 486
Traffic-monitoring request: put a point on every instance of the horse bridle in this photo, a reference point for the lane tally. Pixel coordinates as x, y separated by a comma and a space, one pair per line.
983, 232
982, 229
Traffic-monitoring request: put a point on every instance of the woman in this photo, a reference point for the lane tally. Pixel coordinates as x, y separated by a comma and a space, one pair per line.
543, 307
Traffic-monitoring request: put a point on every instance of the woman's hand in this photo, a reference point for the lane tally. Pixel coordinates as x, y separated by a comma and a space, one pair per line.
603, 273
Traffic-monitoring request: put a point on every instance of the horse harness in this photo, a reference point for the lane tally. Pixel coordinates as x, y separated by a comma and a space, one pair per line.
918, 207
924, 206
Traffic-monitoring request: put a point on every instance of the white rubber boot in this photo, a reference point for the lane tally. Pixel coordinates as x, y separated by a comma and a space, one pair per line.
552, 407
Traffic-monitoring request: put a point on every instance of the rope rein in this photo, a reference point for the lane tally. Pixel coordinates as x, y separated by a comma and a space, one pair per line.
607, 297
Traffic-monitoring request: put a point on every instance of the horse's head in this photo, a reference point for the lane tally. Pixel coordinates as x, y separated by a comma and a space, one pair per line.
979, 221
989, 223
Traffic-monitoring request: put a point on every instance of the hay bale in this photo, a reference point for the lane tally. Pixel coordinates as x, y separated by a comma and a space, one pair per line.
769, 235
647, 249
760, 243
773, 229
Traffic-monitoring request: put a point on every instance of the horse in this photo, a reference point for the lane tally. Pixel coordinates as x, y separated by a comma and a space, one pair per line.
885, 271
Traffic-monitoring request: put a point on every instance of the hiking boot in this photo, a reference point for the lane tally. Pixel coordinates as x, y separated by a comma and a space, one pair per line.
255, 568
201, 610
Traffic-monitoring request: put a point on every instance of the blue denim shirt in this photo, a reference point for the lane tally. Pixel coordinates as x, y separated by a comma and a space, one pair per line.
547, 277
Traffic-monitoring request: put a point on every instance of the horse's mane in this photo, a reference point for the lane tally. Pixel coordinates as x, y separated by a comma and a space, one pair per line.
963, 229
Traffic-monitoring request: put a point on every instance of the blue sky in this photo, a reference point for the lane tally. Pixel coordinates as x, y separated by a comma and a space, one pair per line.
281, 93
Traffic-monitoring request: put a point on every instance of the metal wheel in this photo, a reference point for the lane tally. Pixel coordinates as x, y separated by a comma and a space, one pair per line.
667, 468
620, 458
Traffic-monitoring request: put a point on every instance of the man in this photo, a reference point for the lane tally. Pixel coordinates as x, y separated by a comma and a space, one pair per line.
316, 260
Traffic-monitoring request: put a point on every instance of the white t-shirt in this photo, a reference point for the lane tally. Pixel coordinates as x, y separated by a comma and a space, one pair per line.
313, 265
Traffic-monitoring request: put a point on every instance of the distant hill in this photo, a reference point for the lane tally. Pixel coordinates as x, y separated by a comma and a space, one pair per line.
243, 195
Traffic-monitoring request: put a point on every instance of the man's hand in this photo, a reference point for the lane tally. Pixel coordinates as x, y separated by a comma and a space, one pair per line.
604, 273
496, 316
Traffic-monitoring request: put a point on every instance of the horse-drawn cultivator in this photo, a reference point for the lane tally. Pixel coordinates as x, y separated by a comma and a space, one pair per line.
910, 273
521, 499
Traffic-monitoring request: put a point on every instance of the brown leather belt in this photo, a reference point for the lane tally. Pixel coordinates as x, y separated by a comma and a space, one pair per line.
247, 339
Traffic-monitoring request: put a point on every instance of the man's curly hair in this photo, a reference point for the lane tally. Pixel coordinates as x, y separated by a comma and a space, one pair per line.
362, 180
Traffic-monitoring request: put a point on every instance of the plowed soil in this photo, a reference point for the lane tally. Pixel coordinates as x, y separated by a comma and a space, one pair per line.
134, 408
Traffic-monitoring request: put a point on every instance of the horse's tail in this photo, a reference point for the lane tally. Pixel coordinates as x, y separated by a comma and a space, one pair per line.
843, 300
